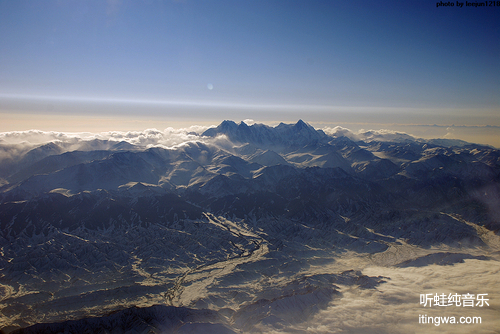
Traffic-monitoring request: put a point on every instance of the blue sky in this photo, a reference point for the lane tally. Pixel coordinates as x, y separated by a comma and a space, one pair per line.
324, 61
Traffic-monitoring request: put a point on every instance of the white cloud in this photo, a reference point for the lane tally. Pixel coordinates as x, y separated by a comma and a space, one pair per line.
145, 137
339, 131
394, 306
368, 135
249, 121
14, 144
450, 133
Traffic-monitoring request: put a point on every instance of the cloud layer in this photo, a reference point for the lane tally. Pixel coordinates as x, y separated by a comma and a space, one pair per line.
368, 135
169, 137
394, 306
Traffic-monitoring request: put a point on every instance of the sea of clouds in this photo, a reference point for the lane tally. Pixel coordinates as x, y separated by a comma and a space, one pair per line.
394, 306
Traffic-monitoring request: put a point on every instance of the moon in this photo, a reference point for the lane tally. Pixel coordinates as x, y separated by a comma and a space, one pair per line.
210, 86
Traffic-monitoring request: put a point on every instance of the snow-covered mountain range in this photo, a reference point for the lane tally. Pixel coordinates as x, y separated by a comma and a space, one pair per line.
238, 228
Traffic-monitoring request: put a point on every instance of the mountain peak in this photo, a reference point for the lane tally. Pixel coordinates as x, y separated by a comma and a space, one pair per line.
226, 127
300, 124
283, 134
227, 124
